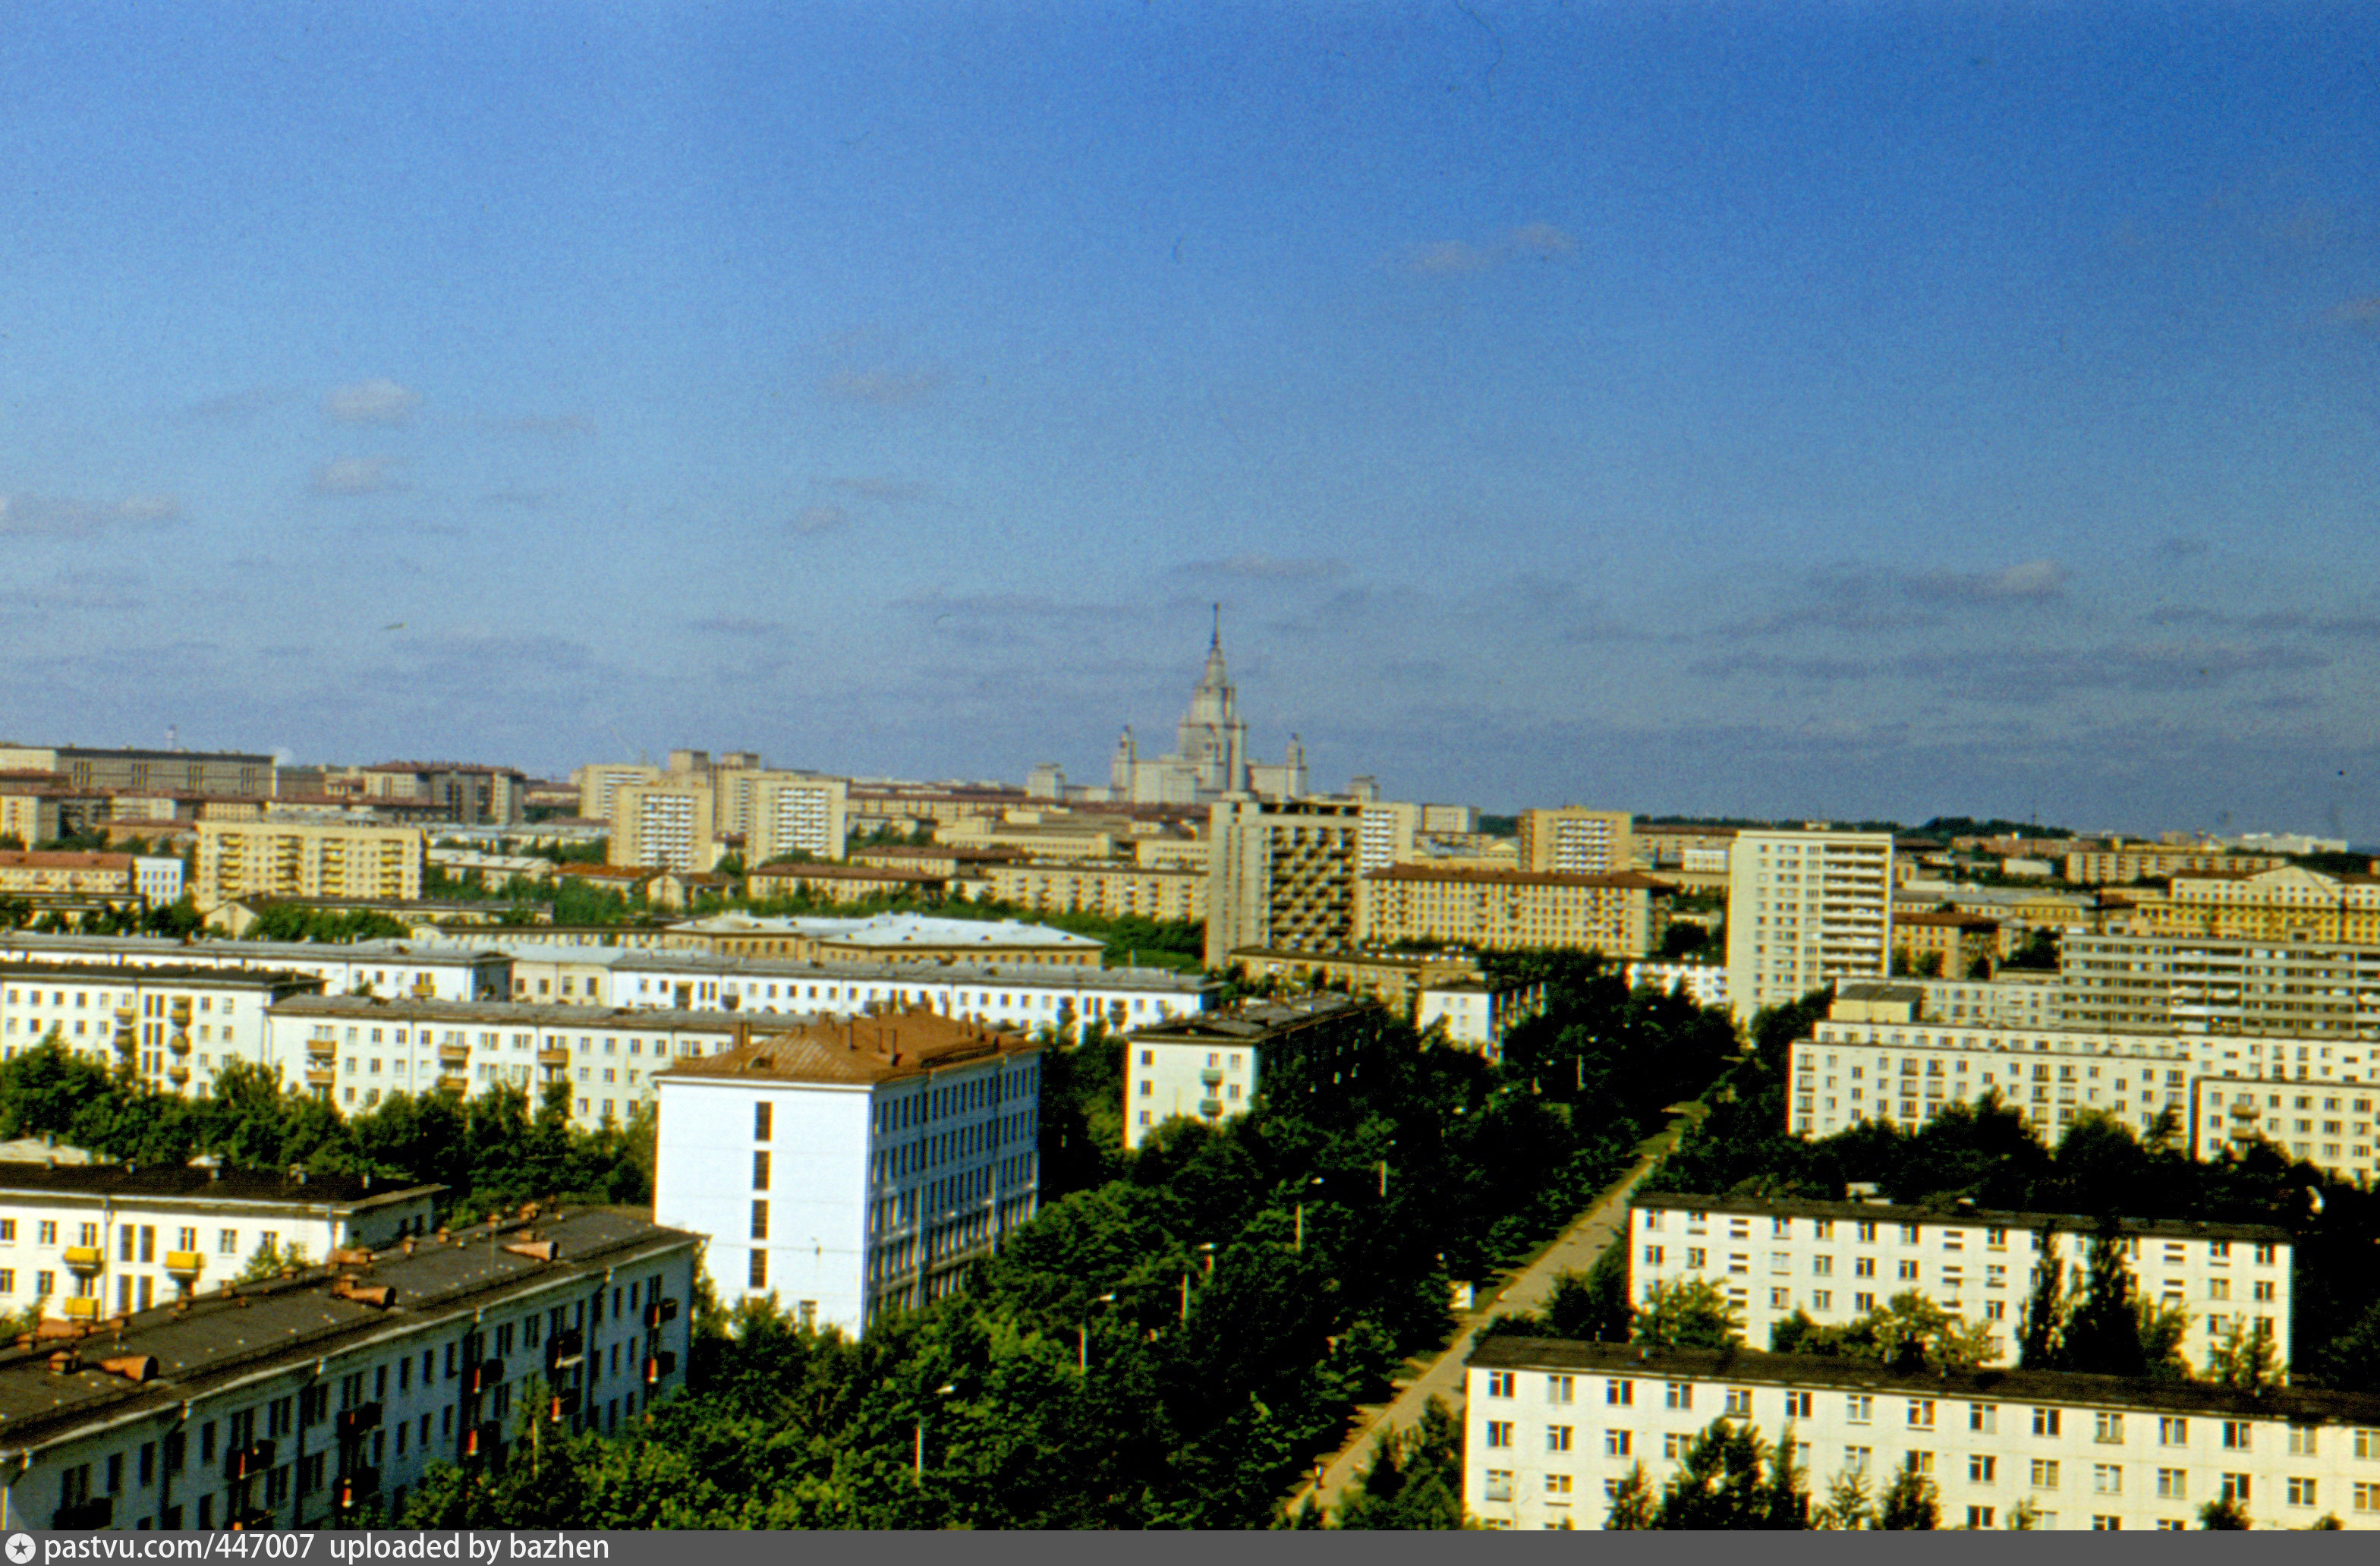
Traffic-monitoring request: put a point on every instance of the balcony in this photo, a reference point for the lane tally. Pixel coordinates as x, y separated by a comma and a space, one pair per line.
178, 1075
659, 1312
486, 1375
244, 1462
320, 1076
81, 1307
563, 1405
1211, 1077
455, 1079
1210, 1107
358, 1421
85, 1516
554, 1057
455, 1054
185, 1265
179, 1043
323, 1047
660, 1364
565, 1349
84, 1259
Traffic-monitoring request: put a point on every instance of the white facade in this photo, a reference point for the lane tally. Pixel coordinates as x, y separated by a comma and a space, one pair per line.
788, 815
1839, 1260
186, 1024
1806, 909
94, 1240
2218, 1088
1552, 1429
450, 972
1477, 1013
158, 877
845, 1182
1704, 983
1208, 1067
224, 1432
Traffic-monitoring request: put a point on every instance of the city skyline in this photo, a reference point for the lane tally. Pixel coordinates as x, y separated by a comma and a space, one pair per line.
1760, 411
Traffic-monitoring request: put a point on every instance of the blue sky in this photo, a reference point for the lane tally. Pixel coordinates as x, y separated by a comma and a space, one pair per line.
1849, 410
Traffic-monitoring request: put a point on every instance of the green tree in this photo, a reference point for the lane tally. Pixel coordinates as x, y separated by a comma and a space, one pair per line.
1730, 1479
1848, 1506
1632, 1507
2243, 1360
1693, 1314
2223, 1515
1910, 1503
1414, 1479
2041, 1326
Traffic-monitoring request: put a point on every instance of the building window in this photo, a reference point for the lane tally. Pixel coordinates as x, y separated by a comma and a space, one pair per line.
1499, 1383
1558, 1438
1622, 1394
1617, 1443
757, 1274
2239, 1434
762, 1113
2173, 1432
2045, 1474
1561, 1388
2109, 1429
759, 1221
1499, 1484
2173, 1483
760, 1171
2046, 1420
2106, 1478
2302, 1492
1982, 1469
1499, 1435
1679, 1394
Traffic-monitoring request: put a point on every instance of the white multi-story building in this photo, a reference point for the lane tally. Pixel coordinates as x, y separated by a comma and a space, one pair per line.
1704, 983
91, 1239
1209, 1066
355, 1051
1839, 1260
1552, 1429
291, 1404
787, 814
1883, 1064
182, 1024
158, 877
852, 1165
1806, 909
1477, 1011
1012, 995
451, 971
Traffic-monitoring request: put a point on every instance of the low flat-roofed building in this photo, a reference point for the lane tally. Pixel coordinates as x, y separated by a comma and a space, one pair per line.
182, 1024
1703, 983
851, 1165
1391, 977
297, 1403
1837, 1261
1477, 1011
845, 883
886, 938
1552, 1429
1950, 945
1110, 887
448, 969
90, 1240
1210, 1067
2120, 863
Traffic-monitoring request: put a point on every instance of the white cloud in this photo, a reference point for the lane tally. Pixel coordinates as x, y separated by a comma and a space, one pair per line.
379, 401
354, 475
1542, 239
1450, 258
1265, 567
812, 520
885, 388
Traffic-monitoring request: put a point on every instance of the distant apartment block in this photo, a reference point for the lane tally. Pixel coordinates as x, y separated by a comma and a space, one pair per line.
173, 1027
1477, 1011
1282, 873
140, 772
1619, 912
1389, 830
273, 859
1837, 1261
784, 813
2121, 864
1111, 889
471, 795
2325, 990
40, 877
2289, 904
1576, 841
1948, 945
663, 826
1806, 909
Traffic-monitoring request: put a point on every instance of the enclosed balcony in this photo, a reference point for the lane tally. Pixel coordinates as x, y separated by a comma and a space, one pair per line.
184, 1265
554, 1057
84, 1259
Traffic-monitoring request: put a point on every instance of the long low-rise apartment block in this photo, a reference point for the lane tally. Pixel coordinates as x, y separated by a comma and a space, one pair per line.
1837, 1261
448, 970
1552, 1428
180, 1026
2315, 1100
301, 1402
1210, 1067
85, 1241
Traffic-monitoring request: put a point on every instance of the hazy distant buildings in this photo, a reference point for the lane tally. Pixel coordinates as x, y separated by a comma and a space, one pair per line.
472, 795
1210, 755
185, 771
1804, 909
663, 825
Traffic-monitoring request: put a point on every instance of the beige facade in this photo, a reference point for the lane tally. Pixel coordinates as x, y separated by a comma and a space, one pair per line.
782, 813
845, 883
110, 875
1389, 830
1110, 887
268, 858
190, 771
669, 826
1614, 913
1395, 977
599, 782
2290, 902
1957, 941
29, 817
1281, 874
1577, 840
1805, 910
2121, 863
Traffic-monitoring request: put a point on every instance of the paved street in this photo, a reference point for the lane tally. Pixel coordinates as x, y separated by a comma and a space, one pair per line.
1574, 1250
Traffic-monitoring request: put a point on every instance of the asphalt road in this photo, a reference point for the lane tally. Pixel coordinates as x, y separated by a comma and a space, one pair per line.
1574, 1250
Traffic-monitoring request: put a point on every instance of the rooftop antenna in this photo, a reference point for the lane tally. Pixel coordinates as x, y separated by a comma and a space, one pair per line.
173, 736
1216, 642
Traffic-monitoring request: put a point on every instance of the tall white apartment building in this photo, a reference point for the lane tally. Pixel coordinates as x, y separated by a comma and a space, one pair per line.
86, 1241
1839, 1260
1387, 833
666, 826
180, 1025
298, 1404
788, 813
848, 1166
1551, 1429
1805, 910
1282, 873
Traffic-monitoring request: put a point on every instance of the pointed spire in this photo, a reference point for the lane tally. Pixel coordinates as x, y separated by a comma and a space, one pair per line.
1215, 644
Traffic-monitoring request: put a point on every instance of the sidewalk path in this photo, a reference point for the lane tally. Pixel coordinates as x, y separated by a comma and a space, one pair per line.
1574, 1250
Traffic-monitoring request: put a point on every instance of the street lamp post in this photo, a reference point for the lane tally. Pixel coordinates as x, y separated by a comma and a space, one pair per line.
1083, 1336
917, 1464
1301, 1216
